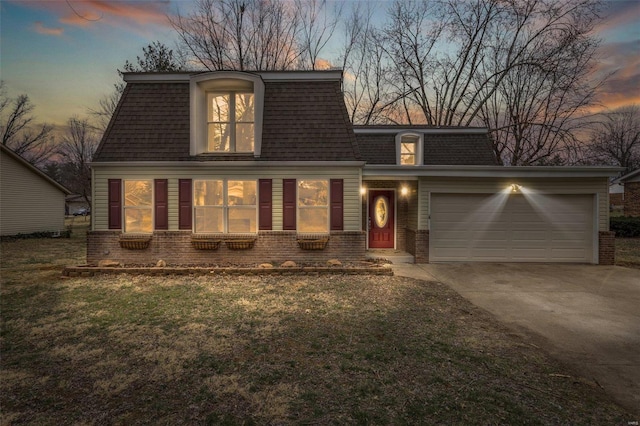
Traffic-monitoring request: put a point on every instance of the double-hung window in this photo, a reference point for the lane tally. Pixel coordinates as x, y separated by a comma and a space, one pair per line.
230, 121
225, 206
313, 206
408, 150
138, 206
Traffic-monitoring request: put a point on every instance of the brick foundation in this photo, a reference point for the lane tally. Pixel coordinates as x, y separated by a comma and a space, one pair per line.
607, 245
175, 248
418, 245
632, 199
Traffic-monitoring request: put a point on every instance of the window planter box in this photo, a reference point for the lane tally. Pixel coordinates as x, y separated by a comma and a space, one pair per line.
205, 243
240, 244
313, 244
135, 242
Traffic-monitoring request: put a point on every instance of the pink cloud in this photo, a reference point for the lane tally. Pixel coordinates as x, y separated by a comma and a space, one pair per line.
141, 13
41, 29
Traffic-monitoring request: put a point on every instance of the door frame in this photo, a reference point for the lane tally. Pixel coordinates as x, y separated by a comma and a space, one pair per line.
395, 216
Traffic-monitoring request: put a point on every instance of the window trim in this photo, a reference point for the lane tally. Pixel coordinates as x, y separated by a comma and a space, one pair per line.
151, 206
419, 148
225, 205
222, 81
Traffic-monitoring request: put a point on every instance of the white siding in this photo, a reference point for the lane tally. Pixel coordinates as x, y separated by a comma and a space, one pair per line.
447, 185
28, 202
350, 175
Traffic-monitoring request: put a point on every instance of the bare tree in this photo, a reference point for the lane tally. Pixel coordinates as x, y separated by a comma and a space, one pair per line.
517, 66
316, 30
241, 34
33, 142
76, 151
615, 139
367, 90
106, 107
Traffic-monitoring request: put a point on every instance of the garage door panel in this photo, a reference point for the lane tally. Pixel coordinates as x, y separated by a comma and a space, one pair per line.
479, 227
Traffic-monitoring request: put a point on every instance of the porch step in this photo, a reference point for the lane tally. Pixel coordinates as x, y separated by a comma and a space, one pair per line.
393, 256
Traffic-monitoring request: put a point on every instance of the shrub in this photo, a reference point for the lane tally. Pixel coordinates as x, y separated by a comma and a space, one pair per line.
625, 226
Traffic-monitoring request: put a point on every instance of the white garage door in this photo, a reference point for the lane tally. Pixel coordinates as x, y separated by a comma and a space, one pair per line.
511, 228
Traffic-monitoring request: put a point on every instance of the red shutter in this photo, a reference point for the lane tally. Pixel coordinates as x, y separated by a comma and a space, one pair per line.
337, 210
264, 204
288, 204
161, 194
115, 203
184, 204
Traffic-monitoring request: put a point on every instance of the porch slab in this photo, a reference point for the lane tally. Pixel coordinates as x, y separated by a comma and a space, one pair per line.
393, 256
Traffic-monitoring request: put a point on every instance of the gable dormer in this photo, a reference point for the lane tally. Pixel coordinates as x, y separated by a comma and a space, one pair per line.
226, 113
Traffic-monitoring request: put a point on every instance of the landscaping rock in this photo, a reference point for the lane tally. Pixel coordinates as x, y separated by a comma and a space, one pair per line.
106, 263
289, 264
161, 263
265, 266
334, 262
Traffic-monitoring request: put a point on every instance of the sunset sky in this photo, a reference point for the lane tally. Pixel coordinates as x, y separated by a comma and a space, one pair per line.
66, 63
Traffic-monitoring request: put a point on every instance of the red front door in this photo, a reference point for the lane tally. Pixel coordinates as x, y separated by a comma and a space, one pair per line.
381, 219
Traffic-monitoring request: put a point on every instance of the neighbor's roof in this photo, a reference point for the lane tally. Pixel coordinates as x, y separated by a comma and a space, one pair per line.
628, 177
33, 169
455, 146
303, 120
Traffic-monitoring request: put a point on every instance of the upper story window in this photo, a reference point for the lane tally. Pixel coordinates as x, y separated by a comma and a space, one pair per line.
230, 121
226, 113
409, 149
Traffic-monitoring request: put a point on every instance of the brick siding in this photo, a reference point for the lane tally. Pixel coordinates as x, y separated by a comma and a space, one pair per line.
175, 248
607, 247
632, 199
418, 245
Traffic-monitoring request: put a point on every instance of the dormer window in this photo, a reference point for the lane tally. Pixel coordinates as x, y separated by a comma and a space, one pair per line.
226, 113
230, 121
409, 149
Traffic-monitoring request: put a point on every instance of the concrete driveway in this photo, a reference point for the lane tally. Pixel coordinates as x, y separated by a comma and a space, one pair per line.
587, 316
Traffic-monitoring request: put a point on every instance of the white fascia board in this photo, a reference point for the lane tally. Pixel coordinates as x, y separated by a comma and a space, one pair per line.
426, 131
228, 164
156, 77
185, 76
371, 171
301, 75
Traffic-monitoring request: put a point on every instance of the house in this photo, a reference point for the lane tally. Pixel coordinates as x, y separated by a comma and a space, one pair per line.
630, 184
76, 203
250, 167
30, 201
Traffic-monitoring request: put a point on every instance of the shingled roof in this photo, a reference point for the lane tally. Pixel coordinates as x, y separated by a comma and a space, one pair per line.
445, 146
303, 121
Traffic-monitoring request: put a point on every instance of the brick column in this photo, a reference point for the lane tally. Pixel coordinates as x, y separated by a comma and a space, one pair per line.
607, 247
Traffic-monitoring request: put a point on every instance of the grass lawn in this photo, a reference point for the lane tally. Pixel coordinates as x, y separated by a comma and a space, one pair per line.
264, 350
628, 252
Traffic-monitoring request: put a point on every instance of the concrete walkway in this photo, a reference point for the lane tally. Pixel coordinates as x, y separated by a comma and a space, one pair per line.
587, 316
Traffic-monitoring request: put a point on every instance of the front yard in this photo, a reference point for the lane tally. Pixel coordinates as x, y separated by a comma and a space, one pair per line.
265, 350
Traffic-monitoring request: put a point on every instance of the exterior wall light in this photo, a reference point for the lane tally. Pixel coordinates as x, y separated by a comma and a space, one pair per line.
515, 187
404, 191
363, 190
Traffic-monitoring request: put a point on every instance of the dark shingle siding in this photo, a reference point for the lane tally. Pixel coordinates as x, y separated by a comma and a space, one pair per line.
302, 121
439, 149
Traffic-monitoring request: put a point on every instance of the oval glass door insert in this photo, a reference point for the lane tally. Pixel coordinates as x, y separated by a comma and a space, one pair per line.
381, 211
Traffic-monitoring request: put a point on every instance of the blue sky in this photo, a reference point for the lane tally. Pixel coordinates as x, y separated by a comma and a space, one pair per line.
66, 62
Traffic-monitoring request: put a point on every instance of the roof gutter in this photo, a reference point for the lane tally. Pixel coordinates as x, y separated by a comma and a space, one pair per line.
228, 164
371, 171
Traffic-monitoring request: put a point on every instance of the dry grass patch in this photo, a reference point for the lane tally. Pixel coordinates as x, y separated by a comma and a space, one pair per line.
268, 350
628, 252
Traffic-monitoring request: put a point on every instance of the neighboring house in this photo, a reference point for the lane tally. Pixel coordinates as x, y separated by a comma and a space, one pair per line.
237, 167
631, 198
616, 195
76, 203
30, 201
